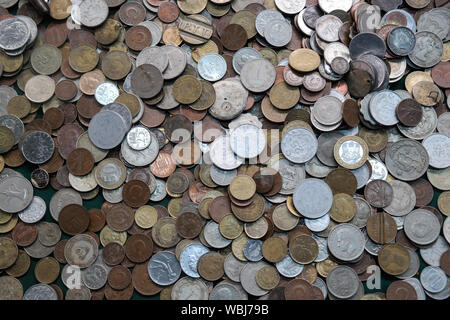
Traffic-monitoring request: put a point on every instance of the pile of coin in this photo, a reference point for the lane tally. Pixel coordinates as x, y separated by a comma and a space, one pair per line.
291, 161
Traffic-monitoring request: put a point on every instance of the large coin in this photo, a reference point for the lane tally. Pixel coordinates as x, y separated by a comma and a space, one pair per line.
313, 198
407, 160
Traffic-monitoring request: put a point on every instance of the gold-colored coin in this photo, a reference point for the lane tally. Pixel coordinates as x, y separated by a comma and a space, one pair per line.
291, 207
11, 288
257, 229
374, 296
130, 101
270, 4
108, 235
47, 270
376, 140
146, 217
9, 252
324, 267
2, 166
393, 259
427, 93
351, 152
444, 203
108, 32
207, 98
269, 54
174, 206
230, 227
23, 78
267, 277
171, 36
246, 19
284, 96
343, 208
211, 266
203, 207
8, 226
187, 89
6, 139
415, 77
116, 65
21, 266
303, 249
164, 233
83, 58
195, 29
11, 63
283, 219
242, 187
304, 60
199, 51
274, 249
29, 118
19, 106
217, 10
5, 217
60, 9
14, 158
166, 293
237, 247
446, 56
192, 6
309, 273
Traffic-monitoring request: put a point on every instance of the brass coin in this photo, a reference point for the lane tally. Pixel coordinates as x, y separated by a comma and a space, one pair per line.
12, 288
60, 9
324, 267
251, 212
217, 10
246, 19
237, 247
146, 217
5, 217
211, 266
192, 6
116, 65
9, 252
342, 180
242, 187
47, 270
187, 89
21, 266
207, 98
351, 152
304, 60
343, 208
303, 249
108, 32
171, 36
7, 227
2, 166
381, 228
107, 235
83, 58
199, 51
195, 29
443, 203
376, 139
164, 233
309, 273
6, 139
394, 259
130, 101
230, 227
11, 63
283, 219
19, 106
274, 249
267, 277
284, 96
174, 206
415, 77
427, 93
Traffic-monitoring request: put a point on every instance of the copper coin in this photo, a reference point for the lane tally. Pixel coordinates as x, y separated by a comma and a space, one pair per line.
138, 38
298, 289
73, 219
132, 13
163, 166
56, 34
402, 239
24, 234
139, 248
70, 112
350, 112
120, 217
152, 117
40, 125
113, 254
359, 82
264, 182
445, 262
401, 290
142, 282
178, 128
80, 162
189, 225
234, 37
119, 277
342, 180
97, 220
140, 174
441, 74
80, 37
423, 190
67, 138
66, 90
112, 294
381, 228
197, 190
58, 252
54, 117
135, 193
62, 176
211, 266
277, 181
379, 193
146, 81
168, 12
88, 107
219, 208
409, 112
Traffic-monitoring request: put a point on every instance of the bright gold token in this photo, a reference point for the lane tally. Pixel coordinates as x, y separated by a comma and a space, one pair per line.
393, 259
284, 96
192, 6
267, 277
131, 102
230, 227
303, 249
83, 58
274, 249
108, 235
351, 152
304, 60
324, 267
199, 51
7, 227
343, 208
11, 63
242, 187
237, 246
146, 217
19, 106
47, 270
444, 203
187, 89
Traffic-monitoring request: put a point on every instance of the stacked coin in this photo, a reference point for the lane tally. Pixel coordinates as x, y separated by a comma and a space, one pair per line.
241, 149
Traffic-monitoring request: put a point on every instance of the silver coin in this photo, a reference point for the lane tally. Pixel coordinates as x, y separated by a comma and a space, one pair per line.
379, 170
222, 177
300, 23
14, 34
164, 268
8, 3
264, 17
318, 225
417, 287
331, 5
253, 250
63, 198
231, 98
160, 191
122, 110
83, 183
316, 168
84, 142
143, 157
342, 282
70, 276
363, 212
189, 289
40, 291
222, 155
212, 67
242, 56
154, 29
323, 248
93, 12
407, 160
446, 229
49, 233
37, 147
258, 75
414, 265
432, 21
34, 212
364, 110
299, 145
37, 250
422, 227
189, 258
113, 196
362, 175
139, 138
292, 175
438, 149
432, 254
177, 62
82, 293
106, 92
278, 32
81, 243
248, 278
443, 125
442, 295
428, 50
16, 193
6, 94
31, 26
290, 6
225, 291
382, 107
213, 237
327, 110
233, 267
95, 276
154, 56
327, 28
433, 279
313, 198
426, 126
319, 283
288, 267
107, 129
346, 242
247, 141
404, 199
336, 50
